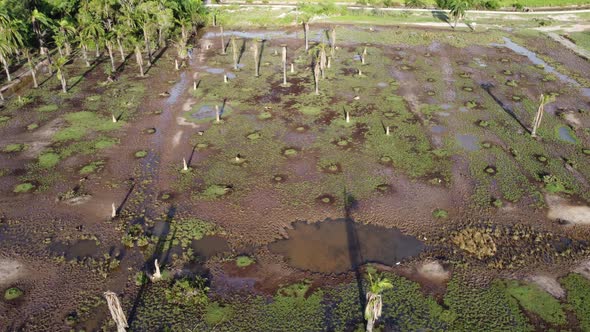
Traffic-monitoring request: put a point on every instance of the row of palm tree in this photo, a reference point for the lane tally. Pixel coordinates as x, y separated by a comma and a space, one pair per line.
140, 26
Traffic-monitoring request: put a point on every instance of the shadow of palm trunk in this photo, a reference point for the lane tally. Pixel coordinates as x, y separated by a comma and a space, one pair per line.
354, 248
161, 252
488, 88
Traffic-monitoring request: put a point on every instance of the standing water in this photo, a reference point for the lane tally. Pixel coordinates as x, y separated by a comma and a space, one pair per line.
537, 61
331, 246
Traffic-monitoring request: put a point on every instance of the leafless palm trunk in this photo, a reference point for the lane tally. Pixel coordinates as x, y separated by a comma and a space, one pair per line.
284, 64
316, 75
256, 59
222, 40
234, 50
306, 33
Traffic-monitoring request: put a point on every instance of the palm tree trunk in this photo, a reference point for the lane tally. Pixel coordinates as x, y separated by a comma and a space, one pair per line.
5, 64
306, 32
139, 60
68, 48
97, 49
33, 70
62, 78
61, 53
148, 49
110, 49
121, 49
85, 54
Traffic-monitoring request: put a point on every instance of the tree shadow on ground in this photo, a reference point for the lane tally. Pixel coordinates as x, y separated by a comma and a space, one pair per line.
161, 253
488, 88
354, 247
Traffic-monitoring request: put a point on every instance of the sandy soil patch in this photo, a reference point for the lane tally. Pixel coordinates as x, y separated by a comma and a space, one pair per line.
10, 270
559, 208
584, 269
549, 284
433, 270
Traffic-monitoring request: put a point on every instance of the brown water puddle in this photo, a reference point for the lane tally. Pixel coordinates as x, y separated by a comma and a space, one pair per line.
335, 246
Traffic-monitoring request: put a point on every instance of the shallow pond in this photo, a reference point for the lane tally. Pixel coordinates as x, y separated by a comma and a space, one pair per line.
532, 56
566, 134
468, 142
335, 246
210, 246
77, 250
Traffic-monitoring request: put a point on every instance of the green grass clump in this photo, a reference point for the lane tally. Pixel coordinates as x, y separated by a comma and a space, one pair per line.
535, 300
140, 154
47, 108
216, 314
554, 185
48, 160
578, 298
4, 118
13, 293
310, 110
243, 261
92, 167
32, 126
440, 214
15, 147
215, 191
23, 187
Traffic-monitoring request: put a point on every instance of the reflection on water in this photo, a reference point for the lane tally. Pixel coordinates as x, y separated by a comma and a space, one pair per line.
566, 134
325, 246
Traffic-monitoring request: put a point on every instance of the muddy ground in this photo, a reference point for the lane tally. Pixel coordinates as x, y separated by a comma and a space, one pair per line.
460, 158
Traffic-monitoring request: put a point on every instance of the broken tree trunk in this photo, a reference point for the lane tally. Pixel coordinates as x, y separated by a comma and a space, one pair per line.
116, 311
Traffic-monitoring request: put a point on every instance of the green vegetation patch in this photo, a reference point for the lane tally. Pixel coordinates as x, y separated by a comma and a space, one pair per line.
92, 167
13, 293
81, 123
23, 187
191, 229
243, 261
15, 147
578, 298
47, 108
216, 314
535, 300
49, 160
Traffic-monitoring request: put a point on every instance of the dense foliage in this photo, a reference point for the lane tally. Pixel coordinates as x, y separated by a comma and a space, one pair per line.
114, 25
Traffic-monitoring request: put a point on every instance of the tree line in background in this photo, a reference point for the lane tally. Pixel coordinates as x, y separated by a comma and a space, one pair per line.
31, 29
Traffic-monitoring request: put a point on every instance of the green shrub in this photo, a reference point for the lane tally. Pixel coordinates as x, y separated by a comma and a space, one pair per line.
188, 292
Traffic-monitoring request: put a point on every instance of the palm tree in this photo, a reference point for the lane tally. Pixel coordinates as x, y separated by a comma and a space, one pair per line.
64, 31
59, 65
457, 10
377, 285
120, 31
11, 41
136, 44
39, 22
147, 20
181, 51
